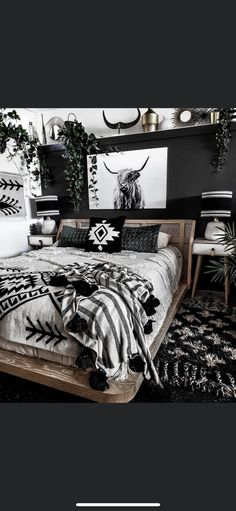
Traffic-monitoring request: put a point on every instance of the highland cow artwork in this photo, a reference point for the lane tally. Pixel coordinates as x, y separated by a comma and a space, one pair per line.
128, 180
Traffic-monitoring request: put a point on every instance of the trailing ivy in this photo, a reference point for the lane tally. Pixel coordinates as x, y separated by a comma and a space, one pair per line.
15, 140
78, 145
223, 137
93, 180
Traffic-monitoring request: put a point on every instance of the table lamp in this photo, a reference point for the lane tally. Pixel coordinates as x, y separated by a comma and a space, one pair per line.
216, 204
47, 206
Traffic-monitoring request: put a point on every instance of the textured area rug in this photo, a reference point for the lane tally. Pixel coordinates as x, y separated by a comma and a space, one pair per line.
196, 361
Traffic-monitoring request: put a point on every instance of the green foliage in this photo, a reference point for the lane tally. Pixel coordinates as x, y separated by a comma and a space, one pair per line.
78, 144
223, 137
218, 267
14, 140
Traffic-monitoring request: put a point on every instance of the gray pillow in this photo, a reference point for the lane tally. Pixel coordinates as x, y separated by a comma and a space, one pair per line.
71, 237
141, 239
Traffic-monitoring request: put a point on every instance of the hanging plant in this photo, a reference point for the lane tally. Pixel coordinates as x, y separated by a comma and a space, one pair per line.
222, 137
78, 145
15, 141
93, 180
44, 170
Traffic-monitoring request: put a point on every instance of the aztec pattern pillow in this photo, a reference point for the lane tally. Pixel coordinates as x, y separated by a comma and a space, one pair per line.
141, 239
105, 234
72, 237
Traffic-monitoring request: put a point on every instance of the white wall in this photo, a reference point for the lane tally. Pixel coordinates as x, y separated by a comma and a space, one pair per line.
92, 118
13, 232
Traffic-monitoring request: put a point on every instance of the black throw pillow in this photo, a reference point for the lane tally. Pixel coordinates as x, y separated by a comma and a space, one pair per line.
72, 237
141, 239
105, 234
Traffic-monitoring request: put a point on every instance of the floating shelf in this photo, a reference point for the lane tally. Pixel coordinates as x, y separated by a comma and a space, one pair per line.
207, 129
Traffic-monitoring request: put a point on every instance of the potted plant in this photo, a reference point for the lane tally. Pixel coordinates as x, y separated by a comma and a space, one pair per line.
218, 267
15, 141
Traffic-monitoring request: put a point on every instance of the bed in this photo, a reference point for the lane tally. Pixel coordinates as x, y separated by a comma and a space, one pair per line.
170, 272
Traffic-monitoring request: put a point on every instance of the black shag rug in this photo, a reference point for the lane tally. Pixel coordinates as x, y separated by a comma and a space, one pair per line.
196, 361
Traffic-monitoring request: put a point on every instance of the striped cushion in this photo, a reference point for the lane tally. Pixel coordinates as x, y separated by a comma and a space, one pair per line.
71, 237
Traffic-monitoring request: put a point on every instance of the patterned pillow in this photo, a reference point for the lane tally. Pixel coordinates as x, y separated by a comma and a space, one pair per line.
141, 239
71, 237
105, 234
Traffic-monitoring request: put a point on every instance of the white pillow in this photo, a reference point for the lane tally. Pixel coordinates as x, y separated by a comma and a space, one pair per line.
163, 240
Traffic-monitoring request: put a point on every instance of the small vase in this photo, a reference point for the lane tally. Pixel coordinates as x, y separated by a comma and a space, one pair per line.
150, 120
215, 117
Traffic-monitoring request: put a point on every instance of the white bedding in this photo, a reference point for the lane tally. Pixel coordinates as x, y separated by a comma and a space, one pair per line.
163, 269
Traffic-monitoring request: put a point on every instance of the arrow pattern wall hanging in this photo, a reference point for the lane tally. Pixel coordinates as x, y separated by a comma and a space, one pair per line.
12, 203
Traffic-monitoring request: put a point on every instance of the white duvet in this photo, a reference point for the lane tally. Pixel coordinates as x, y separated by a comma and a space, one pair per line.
163, 269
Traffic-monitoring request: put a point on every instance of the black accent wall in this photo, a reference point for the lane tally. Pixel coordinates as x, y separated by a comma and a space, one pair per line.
189, 172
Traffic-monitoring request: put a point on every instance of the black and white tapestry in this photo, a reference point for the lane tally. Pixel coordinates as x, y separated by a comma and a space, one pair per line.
128, 180
12, 202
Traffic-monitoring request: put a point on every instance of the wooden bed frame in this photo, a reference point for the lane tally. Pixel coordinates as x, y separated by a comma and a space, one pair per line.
76, 381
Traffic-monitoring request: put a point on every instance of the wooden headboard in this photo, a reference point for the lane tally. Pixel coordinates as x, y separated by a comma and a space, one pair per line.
181, 231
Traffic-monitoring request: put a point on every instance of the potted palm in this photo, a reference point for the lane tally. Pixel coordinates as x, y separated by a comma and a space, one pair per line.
217, 268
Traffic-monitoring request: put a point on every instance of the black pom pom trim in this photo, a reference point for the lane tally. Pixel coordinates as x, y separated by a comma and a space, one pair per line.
85, 360
155, 301
77, 324
136, 364
98, 380
58, 280
148, 327
150, 305
84, 288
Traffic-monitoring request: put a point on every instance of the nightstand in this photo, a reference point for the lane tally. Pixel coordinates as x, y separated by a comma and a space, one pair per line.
203, 247
41, 240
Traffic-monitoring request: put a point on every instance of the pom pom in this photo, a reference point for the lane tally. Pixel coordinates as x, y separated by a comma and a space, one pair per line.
58, 280
148, 327
98, 380
155, 302
85, 360
84, 288
77, 324
136, 364
150, 305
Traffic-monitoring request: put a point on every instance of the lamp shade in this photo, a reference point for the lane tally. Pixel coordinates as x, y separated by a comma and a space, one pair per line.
216, 204
47, 205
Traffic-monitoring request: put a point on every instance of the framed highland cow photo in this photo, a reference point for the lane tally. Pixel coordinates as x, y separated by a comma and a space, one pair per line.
128, 179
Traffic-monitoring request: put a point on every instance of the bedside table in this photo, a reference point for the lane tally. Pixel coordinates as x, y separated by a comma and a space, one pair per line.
41, 240
203, 247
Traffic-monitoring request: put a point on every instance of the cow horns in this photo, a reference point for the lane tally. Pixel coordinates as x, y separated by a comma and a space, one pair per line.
139, 170
121, 125
111, 172
145, 163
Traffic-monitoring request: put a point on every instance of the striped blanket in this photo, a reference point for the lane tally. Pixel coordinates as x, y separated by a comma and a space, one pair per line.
111, 320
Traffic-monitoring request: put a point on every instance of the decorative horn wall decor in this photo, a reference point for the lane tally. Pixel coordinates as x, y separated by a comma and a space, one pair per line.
121, 125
